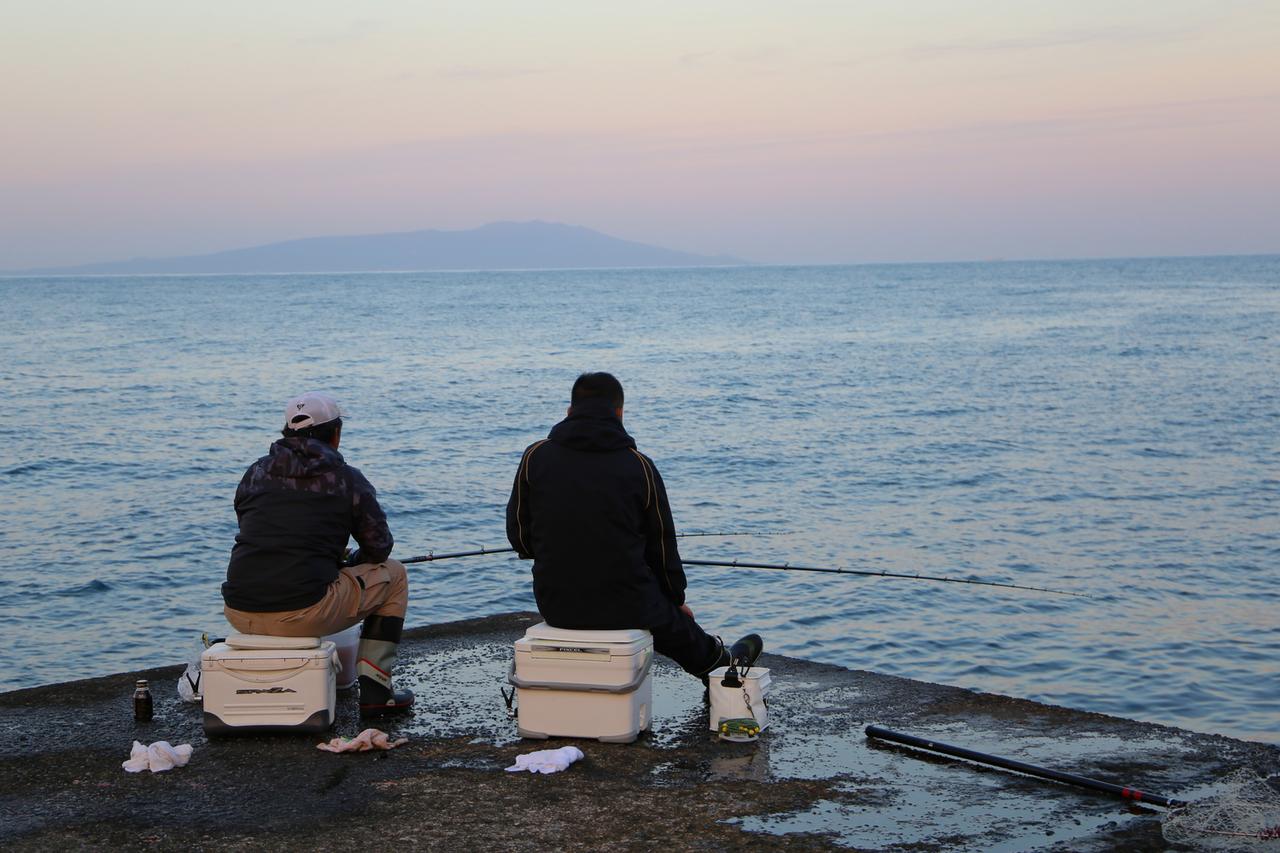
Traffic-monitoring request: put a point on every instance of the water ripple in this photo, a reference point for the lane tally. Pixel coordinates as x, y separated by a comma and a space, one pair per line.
93, 587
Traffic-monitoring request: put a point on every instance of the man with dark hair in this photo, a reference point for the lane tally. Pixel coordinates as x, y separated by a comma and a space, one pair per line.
592, 513
290, 573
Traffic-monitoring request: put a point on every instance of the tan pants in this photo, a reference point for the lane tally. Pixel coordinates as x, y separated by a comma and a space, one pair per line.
359, 591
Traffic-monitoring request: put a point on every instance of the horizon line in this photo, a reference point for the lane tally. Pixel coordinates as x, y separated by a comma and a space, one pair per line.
17, 274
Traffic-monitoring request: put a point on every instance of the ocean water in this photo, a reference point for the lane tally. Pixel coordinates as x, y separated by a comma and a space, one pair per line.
1108, 428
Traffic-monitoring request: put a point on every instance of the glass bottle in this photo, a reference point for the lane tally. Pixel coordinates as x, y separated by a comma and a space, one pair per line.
142, 702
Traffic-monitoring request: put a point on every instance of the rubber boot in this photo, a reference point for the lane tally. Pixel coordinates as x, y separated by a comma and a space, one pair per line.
722, 659
379, 639
746, 651
742, 655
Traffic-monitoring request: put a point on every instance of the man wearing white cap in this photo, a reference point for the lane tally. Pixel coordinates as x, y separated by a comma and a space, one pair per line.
290, 573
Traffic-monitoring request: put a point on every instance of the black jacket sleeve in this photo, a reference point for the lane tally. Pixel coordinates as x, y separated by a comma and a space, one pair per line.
242, 490
660, 551
369, 522
519, 517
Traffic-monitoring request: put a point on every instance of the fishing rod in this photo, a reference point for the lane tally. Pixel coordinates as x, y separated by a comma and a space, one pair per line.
1123, 791
737, 533
1245, 809
427, 558
739, 564
432, 556
787, 567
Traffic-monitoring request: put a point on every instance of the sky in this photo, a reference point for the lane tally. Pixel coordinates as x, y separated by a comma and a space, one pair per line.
798, 132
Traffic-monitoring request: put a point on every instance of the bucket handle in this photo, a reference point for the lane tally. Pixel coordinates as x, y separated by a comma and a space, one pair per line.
516, 681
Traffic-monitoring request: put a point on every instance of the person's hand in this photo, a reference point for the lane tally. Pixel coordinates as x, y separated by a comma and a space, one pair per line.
684, 608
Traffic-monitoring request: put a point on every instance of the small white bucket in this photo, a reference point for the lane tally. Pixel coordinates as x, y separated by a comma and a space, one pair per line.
347, 642
750, 701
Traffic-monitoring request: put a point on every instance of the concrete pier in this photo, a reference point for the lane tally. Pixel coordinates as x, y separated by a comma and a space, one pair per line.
812, 781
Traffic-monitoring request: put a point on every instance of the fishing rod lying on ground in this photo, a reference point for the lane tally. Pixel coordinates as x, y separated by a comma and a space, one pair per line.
431, 557
1245, 809
787, 567
1122, 791
738, 564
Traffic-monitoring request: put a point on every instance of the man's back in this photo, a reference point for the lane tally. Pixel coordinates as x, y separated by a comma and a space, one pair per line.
592, 511
290, 573
297, 507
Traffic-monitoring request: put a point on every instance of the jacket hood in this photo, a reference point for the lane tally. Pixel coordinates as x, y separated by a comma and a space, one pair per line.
593, 426
297, 458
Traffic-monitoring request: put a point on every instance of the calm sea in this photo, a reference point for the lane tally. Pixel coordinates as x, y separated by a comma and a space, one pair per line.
1108, 428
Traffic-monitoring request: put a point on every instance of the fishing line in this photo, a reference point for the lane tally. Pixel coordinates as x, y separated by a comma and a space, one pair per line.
787, 567
432, 556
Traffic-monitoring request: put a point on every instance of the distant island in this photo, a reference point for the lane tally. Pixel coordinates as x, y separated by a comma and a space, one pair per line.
497, 246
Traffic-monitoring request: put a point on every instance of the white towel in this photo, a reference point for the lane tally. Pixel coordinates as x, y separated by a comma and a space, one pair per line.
547, 760
158, 757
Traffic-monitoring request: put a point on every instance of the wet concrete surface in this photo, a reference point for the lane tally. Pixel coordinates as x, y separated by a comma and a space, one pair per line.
812, 781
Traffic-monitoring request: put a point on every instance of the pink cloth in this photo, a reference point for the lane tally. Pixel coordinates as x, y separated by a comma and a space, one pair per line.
363, 742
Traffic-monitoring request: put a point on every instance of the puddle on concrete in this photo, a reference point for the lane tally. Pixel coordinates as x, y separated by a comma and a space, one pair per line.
742, 762
888, 795
1056, 750
457, 692
912, 815
902, 798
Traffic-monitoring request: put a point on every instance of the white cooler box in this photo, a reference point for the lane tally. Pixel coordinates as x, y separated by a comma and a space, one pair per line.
587, 684
254, 683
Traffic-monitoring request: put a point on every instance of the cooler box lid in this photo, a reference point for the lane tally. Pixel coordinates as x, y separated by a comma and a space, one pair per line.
263, 641
543, 638
223, 655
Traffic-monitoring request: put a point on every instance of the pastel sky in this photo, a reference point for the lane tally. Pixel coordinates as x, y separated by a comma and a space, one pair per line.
780, 132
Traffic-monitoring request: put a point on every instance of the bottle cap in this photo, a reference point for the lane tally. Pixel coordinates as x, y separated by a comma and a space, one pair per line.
142, 682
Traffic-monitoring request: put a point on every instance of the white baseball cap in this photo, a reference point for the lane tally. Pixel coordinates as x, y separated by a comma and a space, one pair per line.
311, 409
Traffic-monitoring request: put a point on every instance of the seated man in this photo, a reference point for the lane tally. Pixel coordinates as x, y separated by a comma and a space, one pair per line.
592, 512
297, 507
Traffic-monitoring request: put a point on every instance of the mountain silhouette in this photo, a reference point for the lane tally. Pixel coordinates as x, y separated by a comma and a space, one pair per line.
497, 246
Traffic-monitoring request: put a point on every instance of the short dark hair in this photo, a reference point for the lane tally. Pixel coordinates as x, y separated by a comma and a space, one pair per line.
597, 386
321, 432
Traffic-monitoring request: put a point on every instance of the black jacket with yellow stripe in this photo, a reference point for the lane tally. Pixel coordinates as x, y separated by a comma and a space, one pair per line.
592, 513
